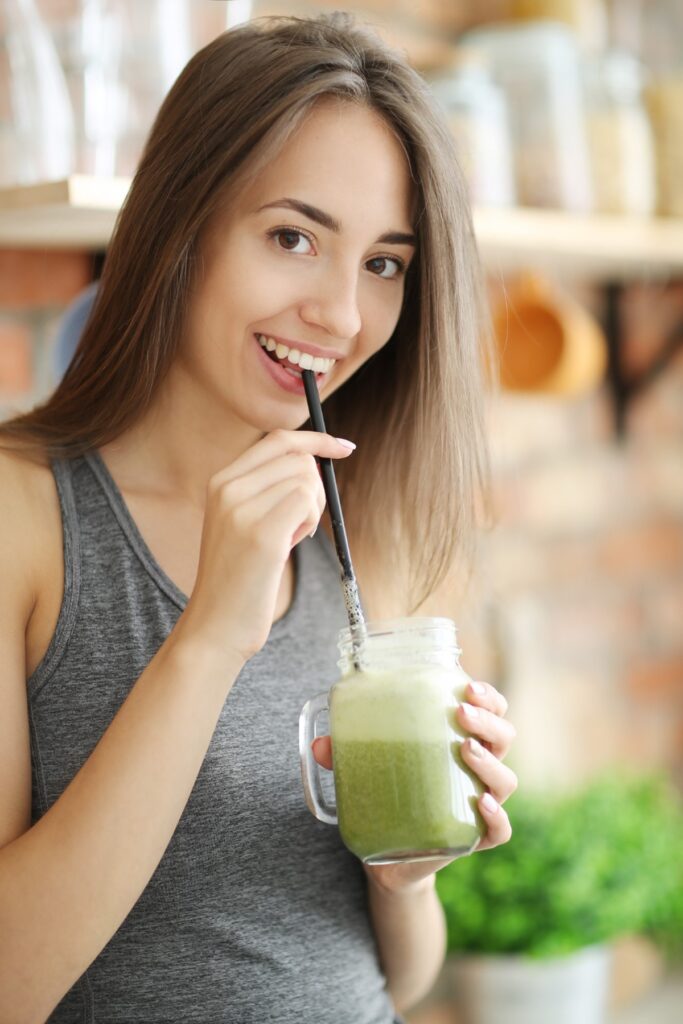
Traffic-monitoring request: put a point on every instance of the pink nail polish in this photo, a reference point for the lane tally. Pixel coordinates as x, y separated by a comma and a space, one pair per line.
489, 803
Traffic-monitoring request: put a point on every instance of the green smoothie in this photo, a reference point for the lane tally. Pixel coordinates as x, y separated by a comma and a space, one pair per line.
401, 789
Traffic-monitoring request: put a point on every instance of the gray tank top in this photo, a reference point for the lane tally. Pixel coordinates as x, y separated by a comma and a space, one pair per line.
256, 913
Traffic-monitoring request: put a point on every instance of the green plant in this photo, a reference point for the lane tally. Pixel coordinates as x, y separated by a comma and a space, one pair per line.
580, 869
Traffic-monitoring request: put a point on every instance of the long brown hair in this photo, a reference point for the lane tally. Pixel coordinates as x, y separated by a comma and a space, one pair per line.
415, 407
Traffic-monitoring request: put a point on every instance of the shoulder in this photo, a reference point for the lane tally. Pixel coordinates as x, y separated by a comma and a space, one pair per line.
26, 481
29, 507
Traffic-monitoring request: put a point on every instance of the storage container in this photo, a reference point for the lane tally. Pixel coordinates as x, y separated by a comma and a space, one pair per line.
537, 67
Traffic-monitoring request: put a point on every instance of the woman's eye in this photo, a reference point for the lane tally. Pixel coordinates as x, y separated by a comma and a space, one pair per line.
291, 240
386, 266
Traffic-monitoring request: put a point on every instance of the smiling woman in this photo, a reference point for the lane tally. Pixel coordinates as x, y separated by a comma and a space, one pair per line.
165, 610
217, 131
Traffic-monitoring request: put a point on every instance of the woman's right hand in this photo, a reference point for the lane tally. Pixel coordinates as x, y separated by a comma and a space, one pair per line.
257, 509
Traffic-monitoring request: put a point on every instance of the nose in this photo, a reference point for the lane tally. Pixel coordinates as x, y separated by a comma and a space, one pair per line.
333, 305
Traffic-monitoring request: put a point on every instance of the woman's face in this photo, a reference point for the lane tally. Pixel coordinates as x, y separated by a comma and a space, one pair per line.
310, 259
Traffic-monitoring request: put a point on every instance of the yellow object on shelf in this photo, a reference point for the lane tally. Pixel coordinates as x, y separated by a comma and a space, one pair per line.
588, 18
547, 342
664, 98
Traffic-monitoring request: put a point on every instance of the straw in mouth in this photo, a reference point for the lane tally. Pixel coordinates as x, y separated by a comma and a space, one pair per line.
350, 587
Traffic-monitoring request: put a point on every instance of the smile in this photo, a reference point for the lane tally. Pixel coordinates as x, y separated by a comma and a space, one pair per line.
293, 359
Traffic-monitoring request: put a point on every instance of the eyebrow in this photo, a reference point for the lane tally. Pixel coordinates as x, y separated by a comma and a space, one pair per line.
329, 222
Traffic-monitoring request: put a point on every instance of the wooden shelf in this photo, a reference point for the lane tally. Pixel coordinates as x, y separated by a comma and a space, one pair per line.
76, 213
598, 246
80, 212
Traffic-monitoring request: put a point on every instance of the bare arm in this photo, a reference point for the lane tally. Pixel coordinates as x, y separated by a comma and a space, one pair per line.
411, 937
68, 883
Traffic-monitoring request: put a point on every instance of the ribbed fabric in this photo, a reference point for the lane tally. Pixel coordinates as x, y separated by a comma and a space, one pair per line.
256, 913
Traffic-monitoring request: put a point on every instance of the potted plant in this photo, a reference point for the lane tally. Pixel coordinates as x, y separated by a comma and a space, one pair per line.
530, 923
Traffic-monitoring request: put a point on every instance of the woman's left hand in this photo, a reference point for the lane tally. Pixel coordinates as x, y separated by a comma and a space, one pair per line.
490, 737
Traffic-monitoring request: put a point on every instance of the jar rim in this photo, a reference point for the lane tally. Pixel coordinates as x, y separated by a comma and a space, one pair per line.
360, 632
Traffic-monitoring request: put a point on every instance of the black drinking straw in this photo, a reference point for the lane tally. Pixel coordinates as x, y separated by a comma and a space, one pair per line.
351, 597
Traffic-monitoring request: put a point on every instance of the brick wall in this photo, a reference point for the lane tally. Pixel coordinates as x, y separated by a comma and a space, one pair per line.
577, 611
35, 287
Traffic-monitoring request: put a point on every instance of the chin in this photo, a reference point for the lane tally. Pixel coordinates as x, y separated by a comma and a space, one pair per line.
287, 419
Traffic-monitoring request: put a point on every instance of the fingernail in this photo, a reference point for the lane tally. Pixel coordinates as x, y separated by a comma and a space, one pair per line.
470, 712
476, 748
347, 444
312, 534
489, 803
478, 688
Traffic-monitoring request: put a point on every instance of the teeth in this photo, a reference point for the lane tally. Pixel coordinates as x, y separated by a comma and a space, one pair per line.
303, 359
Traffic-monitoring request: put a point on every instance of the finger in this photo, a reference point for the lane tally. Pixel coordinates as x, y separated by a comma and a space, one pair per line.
486, 696
282, 442
297, 515
498, 828
289, 507
293, 464
500, 780
322, 751
497, 733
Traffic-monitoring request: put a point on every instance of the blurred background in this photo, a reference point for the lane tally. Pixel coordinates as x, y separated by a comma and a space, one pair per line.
568, 119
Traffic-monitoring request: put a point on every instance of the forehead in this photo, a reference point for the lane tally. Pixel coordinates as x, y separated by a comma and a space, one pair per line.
346, 160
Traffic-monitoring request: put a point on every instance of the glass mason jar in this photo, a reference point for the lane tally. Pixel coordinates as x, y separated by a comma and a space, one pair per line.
661, 50
36, 119
402, 791
619, 134
537, 67
89, 41
477, 116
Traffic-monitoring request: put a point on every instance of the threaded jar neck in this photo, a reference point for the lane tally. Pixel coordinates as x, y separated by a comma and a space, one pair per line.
398, 643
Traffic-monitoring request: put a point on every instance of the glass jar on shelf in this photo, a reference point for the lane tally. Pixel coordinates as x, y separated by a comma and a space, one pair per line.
662, 51
88, 37
157, 43
537, 67
653, 31
36, 121
475, 108
619, 135
120, 58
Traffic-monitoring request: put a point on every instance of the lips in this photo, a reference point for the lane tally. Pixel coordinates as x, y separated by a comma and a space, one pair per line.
287, 378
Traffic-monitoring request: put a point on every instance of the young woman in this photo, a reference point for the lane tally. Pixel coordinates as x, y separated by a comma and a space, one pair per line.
165, 610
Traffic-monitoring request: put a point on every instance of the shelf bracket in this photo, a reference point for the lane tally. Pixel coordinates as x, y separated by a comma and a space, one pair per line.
623, 388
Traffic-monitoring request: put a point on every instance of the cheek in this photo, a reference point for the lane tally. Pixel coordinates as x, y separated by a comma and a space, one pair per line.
379, 322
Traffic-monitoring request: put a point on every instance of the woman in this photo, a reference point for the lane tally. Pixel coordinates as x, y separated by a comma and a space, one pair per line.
298, 195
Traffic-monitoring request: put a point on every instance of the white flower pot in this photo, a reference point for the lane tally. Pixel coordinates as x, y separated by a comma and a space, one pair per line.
570, 989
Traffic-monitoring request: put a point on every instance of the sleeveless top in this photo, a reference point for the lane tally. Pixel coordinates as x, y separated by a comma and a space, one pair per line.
257, 912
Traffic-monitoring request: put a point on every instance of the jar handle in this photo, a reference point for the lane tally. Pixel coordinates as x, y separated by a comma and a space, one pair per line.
310, 769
